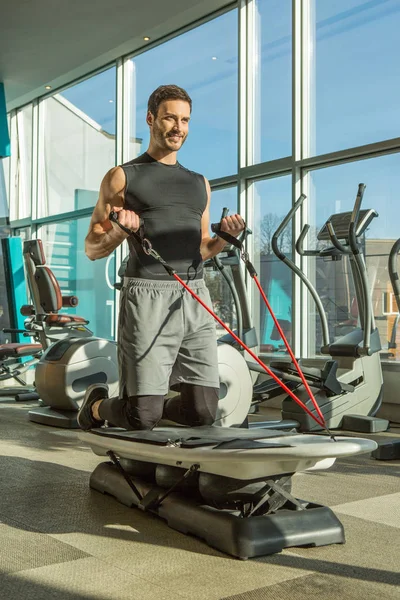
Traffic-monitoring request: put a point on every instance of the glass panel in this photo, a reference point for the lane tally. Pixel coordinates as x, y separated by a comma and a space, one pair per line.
333, 190
221, 296
204, 61
272, 201
356, 81
220, 199
24, 171
91, 281
272, 45
79, 144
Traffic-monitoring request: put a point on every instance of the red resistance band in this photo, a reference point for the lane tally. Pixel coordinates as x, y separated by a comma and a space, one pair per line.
215, 227
321, 422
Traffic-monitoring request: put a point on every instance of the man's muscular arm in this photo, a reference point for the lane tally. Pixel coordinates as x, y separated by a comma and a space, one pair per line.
104, 235
211, 246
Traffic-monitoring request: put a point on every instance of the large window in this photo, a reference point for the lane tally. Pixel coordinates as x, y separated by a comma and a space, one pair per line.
333, 190
356, 78
317, 77
272, 200
91, 281
78, 145
204, 61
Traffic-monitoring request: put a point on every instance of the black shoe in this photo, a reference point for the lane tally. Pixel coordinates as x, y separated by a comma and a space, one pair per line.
85, 418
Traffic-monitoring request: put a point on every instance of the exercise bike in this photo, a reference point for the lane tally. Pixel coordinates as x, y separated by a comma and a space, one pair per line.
73, 357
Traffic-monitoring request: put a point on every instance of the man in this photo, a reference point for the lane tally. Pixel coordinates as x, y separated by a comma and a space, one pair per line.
165, 337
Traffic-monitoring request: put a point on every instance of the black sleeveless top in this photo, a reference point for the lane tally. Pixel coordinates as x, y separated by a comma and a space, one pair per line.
171, 201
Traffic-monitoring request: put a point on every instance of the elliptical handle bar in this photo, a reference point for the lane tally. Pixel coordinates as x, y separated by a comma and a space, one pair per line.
393, 272
359, 261
299, 243
295, 269
283, 225
354, 219
332, 234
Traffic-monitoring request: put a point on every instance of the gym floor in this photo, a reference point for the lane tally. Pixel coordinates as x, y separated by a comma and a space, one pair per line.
61, 540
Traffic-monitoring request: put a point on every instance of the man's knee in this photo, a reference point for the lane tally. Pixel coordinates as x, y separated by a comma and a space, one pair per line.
144, 412
200, 403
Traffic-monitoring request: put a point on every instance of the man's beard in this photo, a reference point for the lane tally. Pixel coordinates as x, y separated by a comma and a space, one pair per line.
162, 138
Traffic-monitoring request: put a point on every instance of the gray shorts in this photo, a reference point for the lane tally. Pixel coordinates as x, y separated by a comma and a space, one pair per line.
165, 337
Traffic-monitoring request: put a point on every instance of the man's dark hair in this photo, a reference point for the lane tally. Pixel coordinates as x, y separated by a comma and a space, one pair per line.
167, 92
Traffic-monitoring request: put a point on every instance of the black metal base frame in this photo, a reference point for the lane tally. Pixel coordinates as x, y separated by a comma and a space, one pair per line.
297, 523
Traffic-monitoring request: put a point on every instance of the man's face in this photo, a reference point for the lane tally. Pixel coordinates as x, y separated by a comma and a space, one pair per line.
170, 128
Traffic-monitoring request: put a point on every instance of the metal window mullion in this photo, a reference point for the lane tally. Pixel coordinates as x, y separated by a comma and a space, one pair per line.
271, 168
242, 89
302, 298
119, 129
21, 193
41, 205
223, 182
299, 316
129, 107
66, 216
242, 104
13, 186
121, 156
21, 223
347, 155
251, 79
253, 296
306, 31
253, 153
308, 145
35, 160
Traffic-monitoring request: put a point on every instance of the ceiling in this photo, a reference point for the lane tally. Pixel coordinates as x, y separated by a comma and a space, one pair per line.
53, 42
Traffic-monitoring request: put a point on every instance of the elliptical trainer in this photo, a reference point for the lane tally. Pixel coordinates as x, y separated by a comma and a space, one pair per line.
349, 387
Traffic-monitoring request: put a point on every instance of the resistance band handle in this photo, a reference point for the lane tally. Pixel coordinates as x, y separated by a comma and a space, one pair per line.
216, 228
113, 216
144, 242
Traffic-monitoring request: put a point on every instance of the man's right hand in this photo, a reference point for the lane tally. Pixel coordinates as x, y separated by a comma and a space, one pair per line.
127, 218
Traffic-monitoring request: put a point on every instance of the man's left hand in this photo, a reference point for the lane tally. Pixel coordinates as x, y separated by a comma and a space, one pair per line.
233, 224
